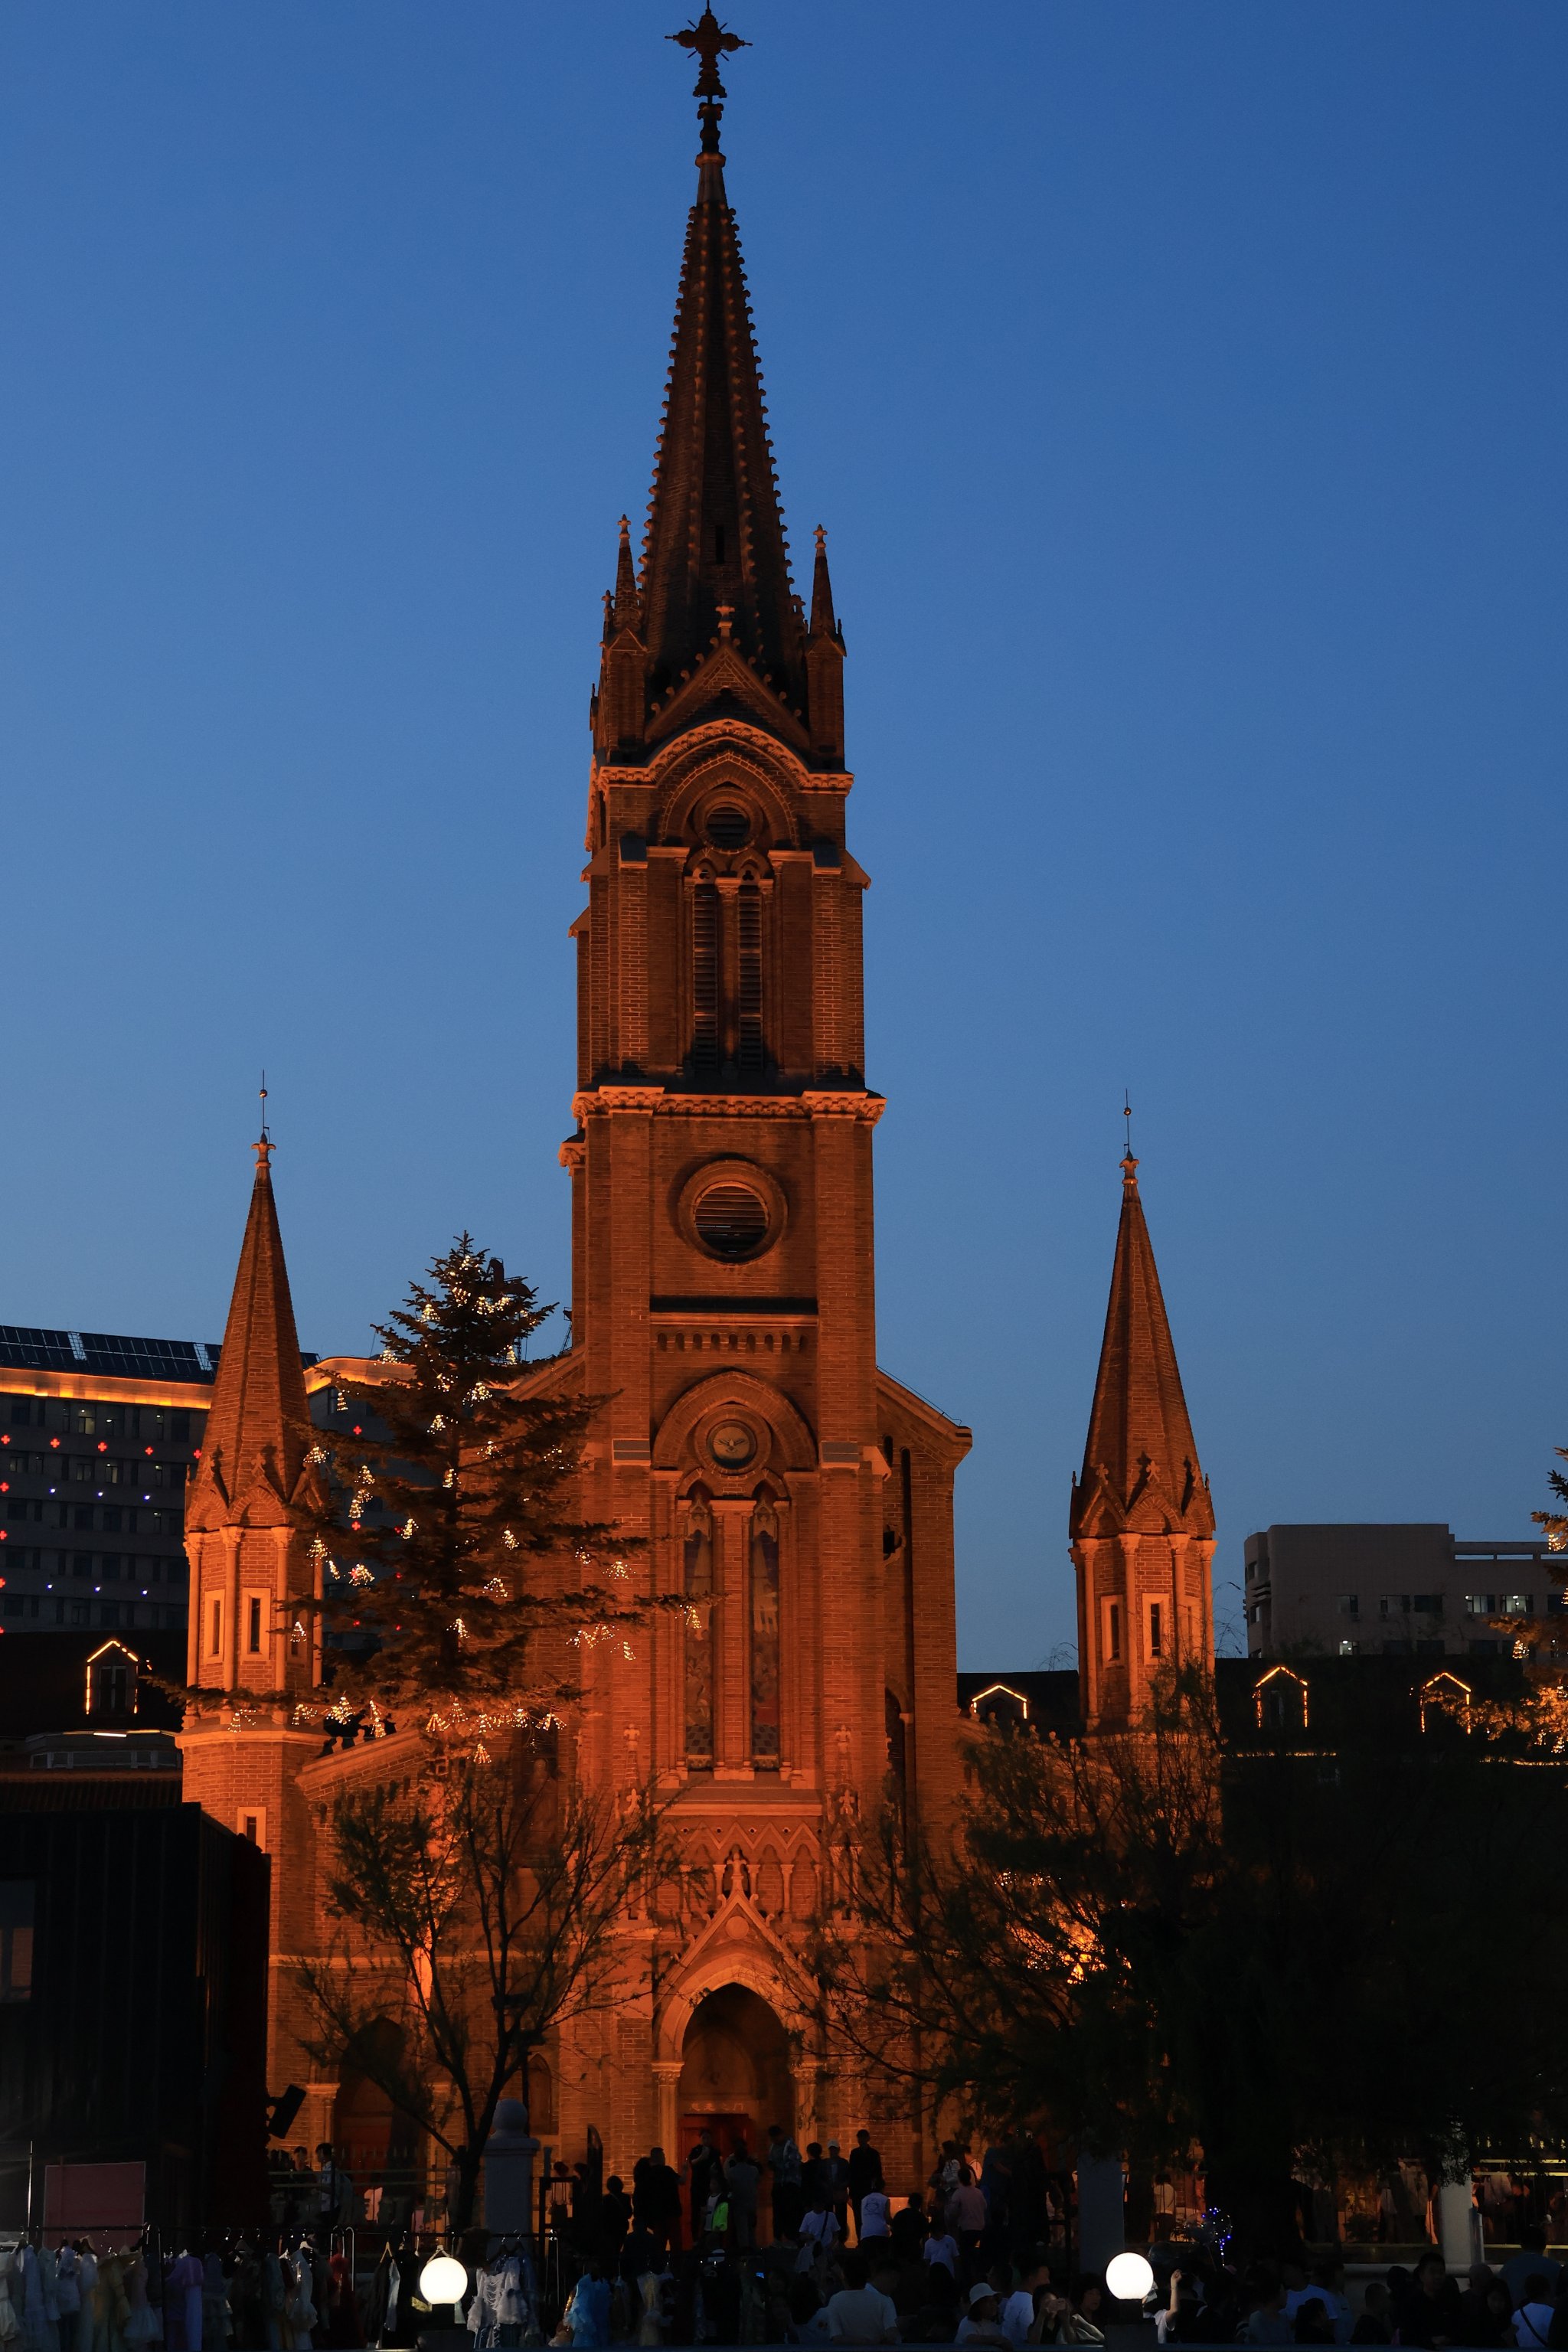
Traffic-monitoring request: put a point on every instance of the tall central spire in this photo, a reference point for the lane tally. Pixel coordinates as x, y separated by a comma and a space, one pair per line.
715, 533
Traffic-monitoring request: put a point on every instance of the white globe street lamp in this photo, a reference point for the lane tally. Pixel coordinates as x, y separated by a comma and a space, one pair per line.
1128, 2277
444, 2279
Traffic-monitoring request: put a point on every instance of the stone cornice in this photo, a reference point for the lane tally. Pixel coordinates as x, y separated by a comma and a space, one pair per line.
845, 1103
828, 1102
611, 1099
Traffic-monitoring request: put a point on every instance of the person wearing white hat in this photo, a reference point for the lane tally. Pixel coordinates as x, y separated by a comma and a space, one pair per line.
982, 2323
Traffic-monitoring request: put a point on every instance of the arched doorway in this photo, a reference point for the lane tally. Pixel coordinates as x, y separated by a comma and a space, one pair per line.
735, 2074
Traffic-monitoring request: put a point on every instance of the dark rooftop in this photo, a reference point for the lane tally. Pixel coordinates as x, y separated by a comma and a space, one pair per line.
24, 1348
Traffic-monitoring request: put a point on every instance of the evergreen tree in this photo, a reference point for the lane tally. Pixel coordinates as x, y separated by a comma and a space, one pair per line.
1556, 1522
457, 1583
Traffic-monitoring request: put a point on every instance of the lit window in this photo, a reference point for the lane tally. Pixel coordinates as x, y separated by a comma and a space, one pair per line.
1280, 1699
112, 1677
999, 1704
1446, 1695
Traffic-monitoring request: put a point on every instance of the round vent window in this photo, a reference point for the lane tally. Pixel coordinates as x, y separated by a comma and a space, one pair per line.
732, 1444
728, 827
730, 1220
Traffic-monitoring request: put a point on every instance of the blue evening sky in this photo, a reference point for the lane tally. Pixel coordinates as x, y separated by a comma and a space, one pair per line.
1182, 387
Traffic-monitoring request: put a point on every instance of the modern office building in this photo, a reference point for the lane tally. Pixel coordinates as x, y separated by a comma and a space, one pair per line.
99, 1435
1392, 1589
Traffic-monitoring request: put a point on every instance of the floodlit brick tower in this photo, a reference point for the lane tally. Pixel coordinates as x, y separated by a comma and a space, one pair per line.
254, 1658
795, 1499
1142, 1523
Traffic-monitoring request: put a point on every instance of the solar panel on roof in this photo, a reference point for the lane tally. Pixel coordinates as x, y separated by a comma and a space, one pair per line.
115, 1354
30, 1348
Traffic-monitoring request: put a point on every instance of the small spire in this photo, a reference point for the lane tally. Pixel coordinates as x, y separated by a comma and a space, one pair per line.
823, 623
1139, 1431
628, 612
258, 1429
263, 1142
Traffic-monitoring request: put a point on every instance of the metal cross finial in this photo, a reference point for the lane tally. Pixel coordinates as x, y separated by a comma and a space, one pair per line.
710, 40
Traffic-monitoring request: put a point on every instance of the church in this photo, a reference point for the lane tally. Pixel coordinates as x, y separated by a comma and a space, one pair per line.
795, 1498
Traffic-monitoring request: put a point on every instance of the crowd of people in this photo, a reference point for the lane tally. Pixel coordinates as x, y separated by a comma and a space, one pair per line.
675, 2258
1520, 2306
76, 2298
796, 2246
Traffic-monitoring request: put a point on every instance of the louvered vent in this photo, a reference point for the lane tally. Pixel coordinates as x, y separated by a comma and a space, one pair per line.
730, 1220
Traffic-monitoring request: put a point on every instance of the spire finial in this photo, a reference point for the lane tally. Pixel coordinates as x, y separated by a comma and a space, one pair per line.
710, 40
1129, 1165
263, 1146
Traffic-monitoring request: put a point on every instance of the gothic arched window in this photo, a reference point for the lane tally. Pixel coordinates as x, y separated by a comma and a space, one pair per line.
764, 1565
750, 1051
705, 993
698, 1592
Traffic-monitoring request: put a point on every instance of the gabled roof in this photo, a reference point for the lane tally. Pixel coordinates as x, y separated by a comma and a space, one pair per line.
1140, 1469
258, 1431
722, 685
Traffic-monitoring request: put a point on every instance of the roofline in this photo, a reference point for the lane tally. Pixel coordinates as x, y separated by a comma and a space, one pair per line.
956, 1432
104, 1388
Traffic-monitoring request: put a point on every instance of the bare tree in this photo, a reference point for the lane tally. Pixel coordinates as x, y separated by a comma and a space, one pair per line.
478, 1912
1245, 1939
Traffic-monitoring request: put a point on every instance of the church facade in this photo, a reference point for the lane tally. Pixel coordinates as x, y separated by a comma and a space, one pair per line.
792, 1500
795, 1497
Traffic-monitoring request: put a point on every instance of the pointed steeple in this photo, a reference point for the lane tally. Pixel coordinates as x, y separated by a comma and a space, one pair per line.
620, 705
823, 623
824, 664
715, 531
258, 1430
625, 611
1141, 1468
